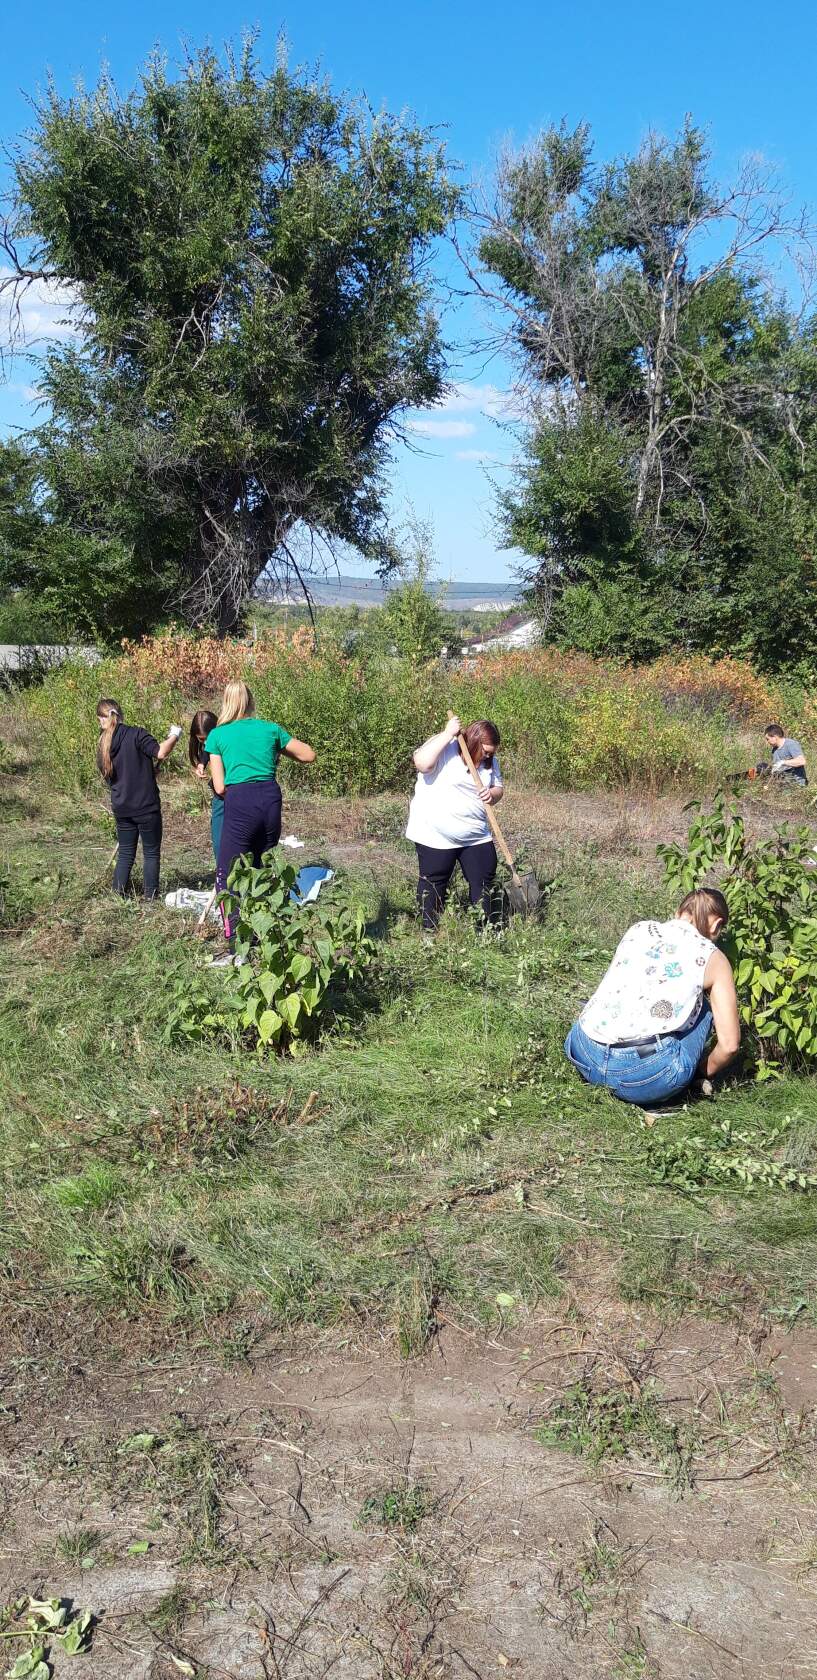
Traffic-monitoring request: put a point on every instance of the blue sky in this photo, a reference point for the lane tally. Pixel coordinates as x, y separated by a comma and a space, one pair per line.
486, 73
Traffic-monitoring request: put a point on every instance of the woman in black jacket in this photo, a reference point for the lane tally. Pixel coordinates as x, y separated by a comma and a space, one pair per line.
127, 758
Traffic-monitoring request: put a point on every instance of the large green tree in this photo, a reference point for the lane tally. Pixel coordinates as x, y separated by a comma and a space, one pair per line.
248, 254
666, 489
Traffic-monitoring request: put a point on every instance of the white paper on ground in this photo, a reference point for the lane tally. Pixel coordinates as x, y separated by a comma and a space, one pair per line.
187, 898
296, 845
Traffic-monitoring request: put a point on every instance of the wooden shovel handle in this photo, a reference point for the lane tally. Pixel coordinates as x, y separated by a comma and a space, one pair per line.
206, 911
492, 821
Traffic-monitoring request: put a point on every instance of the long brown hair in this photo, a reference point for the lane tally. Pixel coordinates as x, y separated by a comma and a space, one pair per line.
701, 905
479, 735
111, 712
201, 723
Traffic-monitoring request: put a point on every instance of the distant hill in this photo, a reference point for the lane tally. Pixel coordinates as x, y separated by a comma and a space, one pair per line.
334, 591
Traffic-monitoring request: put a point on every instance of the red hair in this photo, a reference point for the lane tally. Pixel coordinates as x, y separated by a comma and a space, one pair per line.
479, 735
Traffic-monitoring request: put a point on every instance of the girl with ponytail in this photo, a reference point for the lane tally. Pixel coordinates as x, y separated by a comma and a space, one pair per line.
202, 722
127, 759
243, 752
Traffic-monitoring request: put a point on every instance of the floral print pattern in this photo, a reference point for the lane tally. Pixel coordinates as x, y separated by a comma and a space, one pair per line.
654, 984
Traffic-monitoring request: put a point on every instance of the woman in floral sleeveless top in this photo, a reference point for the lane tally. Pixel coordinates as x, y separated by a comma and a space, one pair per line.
644, 1031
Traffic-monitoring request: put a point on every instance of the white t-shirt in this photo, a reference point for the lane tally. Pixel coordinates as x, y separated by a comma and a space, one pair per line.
654, 983
446, 810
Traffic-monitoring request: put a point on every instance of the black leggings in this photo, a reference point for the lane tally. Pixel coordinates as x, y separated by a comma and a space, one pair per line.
437, 864
252, 823
129, 831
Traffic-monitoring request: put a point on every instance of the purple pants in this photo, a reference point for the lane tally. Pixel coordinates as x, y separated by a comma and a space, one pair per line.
252, 823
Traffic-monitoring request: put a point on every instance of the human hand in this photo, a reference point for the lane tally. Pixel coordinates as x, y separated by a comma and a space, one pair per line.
200, 771
453, 728
490, 796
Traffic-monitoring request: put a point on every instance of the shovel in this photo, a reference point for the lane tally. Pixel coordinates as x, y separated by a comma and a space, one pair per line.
524, 892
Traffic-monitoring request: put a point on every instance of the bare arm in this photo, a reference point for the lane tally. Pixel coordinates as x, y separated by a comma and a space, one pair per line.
167, 746
217, 772
719, 984
426, 756
300, 751
492, 795
785, 764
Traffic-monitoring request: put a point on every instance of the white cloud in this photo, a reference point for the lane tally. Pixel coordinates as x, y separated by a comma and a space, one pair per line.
26, 393
442, 428
486, 399
45, 312
475, 455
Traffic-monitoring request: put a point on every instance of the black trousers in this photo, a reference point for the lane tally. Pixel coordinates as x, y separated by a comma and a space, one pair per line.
437, 864
252, 823
129, 832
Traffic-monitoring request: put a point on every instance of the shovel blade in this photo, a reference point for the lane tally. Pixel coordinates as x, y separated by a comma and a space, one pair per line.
524, 895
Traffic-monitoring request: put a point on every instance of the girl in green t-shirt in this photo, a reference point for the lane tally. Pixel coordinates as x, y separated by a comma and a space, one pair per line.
243, 752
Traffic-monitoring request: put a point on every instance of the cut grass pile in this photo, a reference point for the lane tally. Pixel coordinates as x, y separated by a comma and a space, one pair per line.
451, 1164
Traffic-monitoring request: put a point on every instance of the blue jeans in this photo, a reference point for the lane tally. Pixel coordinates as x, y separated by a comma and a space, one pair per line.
644, 1074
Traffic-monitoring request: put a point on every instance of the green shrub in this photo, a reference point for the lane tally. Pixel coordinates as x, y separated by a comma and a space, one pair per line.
565, 720
24, 620
291, 953
771, 889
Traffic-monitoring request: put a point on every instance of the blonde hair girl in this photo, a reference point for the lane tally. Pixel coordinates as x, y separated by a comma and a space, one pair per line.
243, 759
237, 703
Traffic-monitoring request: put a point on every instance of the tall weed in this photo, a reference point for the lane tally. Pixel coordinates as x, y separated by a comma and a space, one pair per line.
771, 889
566, 720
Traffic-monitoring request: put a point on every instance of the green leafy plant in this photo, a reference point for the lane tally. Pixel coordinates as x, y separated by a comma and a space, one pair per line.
771, 889
292, 955
36, 1621
607, 1423
401, 1507
726, 1154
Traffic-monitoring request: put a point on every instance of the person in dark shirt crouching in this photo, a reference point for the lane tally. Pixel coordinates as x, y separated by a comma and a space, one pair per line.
127, 758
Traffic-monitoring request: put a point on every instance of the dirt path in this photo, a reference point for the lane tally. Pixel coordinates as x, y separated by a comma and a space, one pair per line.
319, 1511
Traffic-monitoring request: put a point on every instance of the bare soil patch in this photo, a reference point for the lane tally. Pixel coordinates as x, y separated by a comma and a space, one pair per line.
615, 825
316, 1509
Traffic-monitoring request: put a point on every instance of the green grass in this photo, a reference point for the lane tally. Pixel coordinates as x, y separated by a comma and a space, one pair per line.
402, 1506
451, 1155
607, 1423
78, 1546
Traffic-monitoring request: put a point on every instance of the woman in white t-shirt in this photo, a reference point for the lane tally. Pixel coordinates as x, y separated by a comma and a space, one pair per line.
644, 1031
447, 820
